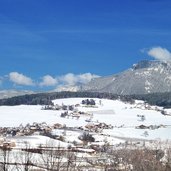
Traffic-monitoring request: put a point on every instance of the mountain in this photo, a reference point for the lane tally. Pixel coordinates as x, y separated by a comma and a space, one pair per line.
142, 78
12, 93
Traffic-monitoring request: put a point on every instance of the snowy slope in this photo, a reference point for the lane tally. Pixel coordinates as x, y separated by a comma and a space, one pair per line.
122, 116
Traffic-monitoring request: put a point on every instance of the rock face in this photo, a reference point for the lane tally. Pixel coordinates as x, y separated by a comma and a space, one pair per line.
143, 78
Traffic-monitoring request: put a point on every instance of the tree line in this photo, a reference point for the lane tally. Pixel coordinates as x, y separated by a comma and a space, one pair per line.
159, 99
46, 98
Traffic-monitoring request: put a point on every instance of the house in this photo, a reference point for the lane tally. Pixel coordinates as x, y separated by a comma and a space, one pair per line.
142, 127
8, 144
57, 126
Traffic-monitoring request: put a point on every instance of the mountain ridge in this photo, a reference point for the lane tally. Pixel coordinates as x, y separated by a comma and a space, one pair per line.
142, 78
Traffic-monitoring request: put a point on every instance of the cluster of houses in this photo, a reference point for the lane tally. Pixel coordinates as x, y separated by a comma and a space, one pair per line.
86, 102
152, 127
146, 106
97, 127
71, 111
29, 129
75, 114
60, 107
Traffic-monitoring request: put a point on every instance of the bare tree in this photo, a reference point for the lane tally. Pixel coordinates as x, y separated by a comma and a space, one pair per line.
167, 159
5, 158
52, 157
137, 160
25, 158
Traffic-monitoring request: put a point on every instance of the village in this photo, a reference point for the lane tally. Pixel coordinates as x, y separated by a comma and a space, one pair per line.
87, 146
44, 129
82, 154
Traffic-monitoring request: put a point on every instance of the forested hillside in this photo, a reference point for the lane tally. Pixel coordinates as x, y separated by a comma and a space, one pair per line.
46, 98
160, 99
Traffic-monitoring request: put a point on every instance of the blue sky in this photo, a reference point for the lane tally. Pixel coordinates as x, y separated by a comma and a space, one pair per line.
44, 40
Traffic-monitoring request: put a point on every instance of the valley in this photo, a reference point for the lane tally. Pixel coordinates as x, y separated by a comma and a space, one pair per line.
78, 127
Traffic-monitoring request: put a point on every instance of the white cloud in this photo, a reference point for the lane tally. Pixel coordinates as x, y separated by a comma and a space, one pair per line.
20, 79
48, 80
67, 88
87, 77
70, 81
160, 53
73, 79
67, 81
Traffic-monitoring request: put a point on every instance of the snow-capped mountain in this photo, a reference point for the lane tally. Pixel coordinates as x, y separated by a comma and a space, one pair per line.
13, 93
143, 78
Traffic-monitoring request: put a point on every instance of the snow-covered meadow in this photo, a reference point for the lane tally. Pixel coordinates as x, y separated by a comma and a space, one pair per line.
122, 116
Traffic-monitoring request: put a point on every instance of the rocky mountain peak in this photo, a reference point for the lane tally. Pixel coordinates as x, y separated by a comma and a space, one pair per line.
150, 64
143, 78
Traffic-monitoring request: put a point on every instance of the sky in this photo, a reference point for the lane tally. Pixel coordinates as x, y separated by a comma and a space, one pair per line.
48, 43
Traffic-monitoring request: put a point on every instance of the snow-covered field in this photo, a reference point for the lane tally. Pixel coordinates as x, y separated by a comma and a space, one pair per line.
122, 116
